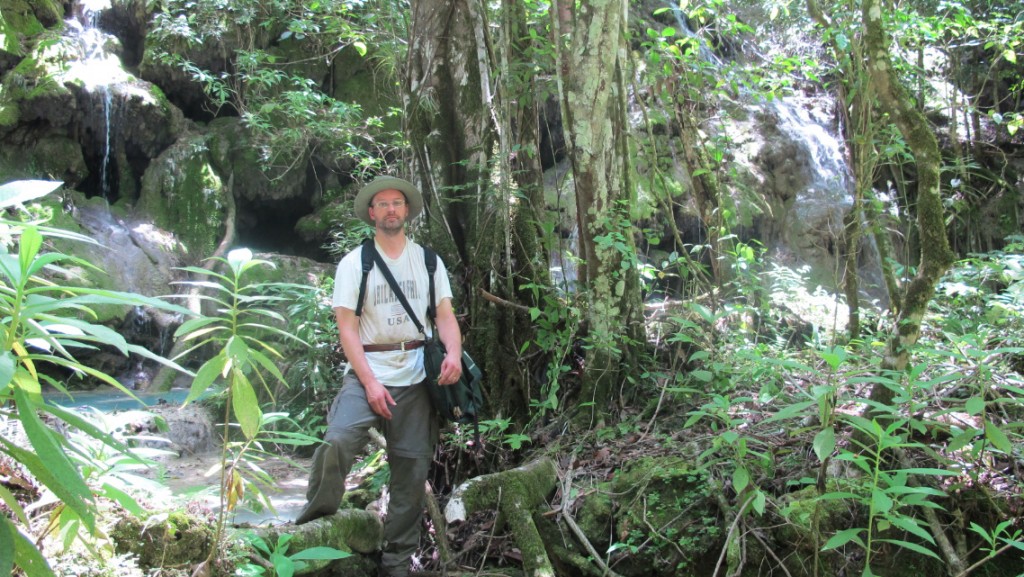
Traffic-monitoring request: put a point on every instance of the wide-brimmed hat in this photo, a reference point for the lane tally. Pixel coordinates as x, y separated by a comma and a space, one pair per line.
366, 194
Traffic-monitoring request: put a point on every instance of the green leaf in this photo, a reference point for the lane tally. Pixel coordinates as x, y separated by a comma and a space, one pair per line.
998, 438
85, 425
975, 406
843, 537
62, 477
702, 376
124, 499
760, 500
22, 191
205, 377
740, 479
7, 536
8, 364
284, 566
1010, 56
14, 505
321, 554
31, 242
789, 411
911, 525
29, 558
195, 324
245, 404
880, 501
237, 349
824, 443
911, 546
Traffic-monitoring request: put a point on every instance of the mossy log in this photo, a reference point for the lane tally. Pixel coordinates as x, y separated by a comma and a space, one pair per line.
516, 494
352, 530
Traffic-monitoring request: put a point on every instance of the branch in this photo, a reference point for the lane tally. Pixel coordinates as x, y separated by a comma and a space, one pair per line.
500, 301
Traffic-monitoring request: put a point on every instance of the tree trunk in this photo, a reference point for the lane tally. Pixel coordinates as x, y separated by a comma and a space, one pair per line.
590, 49
936, 256
474, 131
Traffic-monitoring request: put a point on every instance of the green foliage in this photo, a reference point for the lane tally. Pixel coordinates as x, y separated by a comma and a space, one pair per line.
280, 53
315, 370
888, 494
245, 333
43, 324
557, 322
283, 564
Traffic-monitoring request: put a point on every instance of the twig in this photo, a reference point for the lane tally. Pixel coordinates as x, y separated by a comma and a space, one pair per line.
998, 551
772, 553
500, 301
933, 521
567, 517
440, 527
732, 529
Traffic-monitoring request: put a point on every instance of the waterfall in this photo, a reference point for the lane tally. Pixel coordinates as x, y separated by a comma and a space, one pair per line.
98, 70
104, 179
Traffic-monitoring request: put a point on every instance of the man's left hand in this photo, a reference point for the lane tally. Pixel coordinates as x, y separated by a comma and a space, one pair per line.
451, 369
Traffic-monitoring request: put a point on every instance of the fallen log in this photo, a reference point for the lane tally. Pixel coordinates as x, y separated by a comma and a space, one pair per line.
351, 530
516, 494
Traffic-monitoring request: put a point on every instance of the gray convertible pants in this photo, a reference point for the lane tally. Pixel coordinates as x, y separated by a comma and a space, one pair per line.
410, 434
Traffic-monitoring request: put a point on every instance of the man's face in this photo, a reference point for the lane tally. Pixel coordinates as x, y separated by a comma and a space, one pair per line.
388, 210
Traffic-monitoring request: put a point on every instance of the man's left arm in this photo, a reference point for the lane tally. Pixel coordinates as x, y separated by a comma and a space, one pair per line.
448, 331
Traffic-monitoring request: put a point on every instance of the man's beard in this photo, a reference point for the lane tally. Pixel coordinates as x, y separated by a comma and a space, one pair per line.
391, 227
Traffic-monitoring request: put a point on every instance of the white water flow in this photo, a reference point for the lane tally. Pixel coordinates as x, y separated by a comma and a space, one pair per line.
98, 70
830, 180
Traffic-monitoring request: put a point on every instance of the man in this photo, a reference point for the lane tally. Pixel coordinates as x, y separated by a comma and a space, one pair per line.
385, 388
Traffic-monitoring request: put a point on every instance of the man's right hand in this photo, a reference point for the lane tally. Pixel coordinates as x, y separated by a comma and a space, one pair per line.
379, 398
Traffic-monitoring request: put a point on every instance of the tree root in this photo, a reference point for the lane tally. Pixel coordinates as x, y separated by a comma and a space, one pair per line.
516, 494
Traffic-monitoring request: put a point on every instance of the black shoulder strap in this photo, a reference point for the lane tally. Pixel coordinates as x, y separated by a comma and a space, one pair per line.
368, 251
430, 258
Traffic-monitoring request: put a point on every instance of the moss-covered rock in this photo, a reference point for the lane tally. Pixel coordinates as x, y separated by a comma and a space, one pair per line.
21, 20
811, 520
666, 519
184, 193
172, 539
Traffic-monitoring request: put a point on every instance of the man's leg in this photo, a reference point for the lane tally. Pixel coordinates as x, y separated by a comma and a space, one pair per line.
348, 421
411, 436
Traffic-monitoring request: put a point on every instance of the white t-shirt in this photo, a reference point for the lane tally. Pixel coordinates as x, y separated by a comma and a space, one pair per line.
384, 320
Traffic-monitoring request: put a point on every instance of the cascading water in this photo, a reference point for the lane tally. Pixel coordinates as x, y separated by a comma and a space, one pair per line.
98, 70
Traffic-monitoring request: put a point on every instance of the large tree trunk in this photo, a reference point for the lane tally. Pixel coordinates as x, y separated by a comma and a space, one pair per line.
590, 48
466, 115
936, 256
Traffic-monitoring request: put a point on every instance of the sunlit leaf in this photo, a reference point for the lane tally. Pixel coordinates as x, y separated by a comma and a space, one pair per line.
245, 404
31, 242
29, 558
320, 554
205, 377
22, 191
824, 443
68, 484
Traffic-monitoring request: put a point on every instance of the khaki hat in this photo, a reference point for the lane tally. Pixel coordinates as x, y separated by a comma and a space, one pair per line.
366, 194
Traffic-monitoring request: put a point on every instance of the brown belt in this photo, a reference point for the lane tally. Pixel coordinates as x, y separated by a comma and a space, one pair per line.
406, 346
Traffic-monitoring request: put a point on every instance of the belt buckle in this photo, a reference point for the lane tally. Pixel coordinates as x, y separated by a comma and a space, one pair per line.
401, 346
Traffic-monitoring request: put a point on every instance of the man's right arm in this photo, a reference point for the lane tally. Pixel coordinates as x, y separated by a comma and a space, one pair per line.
348, 331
